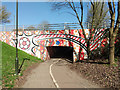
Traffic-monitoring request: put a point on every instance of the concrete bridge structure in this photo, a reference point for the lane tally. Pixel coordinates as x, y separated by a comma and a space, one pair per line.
40, 43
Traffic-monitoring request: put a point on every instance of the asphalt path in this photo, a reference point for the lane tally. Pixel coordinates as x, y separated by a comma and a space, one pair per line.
55, 73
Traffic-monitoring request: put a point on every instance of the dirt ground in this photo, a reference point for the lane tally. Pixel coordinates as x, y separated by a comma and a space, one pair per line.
101, 74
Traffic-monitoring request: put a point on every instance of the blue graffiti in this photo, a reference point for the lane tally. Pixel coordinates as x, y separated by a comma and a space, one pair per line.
57, 42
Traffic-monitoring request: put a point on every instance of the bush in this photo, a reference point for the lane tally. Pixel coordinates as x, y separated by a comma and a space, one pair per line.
101, 52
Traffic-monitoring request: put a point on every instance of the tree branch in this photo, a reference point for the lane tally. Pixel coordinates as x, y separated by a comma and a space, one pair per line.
81, 11
73, 7
113, 5
118, 20
99, 20
110, 8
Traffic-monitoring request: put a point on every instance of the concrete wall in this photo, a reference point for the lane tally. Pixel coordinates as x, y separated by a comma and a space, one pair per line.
37, 47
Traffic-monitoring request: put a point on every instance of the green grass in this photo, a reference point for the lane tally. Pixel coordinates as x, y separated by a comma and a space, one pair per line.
8, 64
0, 64
116, 62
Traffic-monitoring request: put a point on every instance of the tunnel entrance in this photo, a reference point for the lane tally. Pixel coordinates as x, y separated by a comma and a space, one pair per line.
61, 52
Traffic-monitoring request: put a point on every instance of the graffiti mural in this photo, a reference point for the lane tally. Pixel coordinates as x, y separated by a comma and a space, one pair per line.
24, 43
35, 42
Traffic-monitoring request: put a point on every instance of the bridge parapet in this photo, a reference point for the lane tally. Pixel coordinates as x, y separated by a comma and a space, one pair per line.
35, 42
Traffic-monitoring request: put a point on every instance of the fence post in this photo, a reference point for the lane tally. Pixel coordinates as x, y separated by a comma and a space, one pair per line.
4, 28
64, 26
23, 27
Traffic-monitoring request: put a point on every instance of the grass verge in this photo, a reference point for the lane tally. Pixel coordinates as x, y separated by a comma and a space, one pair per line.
0, 63
8, 64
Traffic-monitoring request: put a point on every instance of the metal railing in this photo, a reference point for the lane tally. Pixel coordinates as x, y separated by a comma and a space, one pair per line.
57, 26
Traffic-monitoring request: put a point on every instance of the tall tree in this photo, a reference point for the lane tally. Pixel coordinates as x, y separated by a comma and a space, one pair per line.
4, 15
77, 8
103, 16
114, 27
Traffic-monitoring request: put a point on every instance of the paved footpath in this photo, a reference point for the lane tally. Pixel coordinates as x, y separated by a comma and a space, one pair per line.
54, 73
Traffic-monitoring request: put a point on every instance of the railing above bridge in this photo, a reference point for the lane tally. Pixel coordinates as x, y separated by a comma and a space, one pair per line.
57, 26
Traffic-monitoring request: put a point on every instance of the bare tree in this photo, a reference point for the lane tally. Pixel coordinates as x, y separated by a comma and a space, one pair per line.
114, 27
77, 8
4, 15
102, 16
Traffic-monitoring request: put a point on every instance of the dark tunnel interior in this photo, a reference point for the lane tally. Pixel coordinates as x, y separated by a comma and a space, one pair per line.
61, 52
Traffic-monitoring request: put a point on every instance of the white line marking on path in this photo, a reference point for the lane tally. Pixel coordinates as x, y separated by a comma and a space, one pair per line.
53, 76
54, 81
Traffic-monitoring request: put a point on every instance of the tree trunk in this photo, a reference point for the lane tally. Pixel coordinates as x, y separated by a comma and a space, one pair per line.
112, 50
88, 49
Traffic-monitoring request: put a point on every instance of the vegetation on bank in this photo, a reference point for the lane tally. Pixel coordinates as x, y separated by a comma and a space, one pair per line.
8, 64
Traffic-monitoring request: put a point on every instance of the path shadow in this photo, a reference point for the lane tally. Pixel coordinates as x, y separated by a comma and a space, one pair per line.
20, 68
94, 61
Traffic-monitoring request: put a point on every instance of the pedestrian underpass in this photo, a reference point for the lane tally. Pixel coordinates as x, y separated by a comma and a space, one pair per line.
61, 52
34, 42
